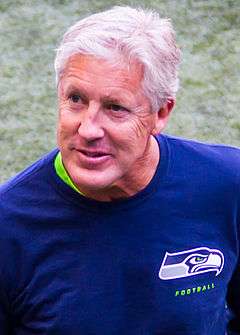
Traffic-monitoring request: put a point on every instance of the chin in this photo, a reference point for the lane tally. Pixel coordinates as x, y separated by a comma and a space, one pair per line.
94, 180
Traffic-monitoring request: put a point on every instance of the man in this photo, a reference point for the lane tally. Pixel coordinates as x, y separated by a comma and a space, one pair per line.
122, 230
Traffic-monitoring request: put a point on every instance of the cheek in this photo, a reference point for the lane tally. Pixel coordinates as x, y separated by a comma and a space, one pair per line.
130, 138
66, 128
67, 120
139, 128
62, 134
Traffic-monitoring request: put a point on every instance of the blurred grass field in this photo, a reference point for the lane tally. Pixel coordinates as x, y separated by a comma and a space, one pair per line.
208, 103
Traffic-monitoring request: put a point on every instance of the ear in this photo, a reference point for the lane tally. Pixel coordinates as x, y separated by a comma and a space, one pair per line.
162, 116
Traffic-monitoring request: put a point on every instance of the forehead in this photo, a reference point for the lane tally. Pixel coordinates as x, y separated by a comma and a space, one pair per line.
91, 70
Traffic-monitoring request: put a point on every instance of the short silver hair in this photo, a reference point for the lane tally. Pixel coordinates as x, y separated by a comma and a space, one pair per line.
134, 33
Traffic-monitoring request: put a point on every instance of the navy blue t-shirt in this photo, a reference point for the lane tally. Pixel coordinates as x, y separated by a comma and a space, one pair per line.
162, 262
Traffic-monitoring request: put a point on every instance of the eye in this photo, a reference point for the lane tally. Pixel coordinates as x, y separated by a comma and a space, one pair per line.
115, 107
75, 98
198, 259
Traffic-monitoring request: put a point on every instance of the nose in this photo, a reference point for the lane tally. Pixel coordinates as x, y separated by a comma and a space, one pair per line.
90, 128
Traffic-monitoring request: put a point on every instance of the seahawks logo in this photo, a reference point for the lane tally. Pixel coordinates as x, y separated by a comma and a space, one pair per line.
191, 262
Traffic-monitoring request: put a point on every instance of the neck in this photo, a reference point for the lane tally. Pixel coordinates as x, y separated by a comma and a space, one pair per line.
136, 182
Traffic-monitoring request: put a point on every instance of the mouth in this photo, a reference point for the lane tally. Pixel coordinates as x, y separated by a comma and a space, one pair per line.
94, 154
202, 268
93, 158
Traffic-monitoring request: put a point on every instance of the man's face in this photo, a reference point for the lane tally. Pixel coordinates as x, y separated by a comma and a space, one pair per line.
105, 123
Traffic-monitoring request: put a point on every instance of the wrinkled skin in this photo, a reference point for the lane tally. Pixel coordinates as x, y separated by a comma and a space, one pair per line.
103, 112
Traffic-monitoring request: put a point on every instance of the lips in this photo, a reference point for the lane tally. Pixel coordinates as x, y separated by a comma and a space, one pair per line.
94, 154
93, 159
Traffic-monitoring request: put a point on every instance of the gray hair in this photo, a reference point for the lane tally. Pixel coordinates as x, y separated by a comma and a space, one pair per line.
133, 33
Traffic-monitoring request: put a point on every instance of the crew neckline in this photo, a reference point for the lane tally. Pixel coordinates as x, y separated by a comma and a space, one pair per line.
159, 178
62, 172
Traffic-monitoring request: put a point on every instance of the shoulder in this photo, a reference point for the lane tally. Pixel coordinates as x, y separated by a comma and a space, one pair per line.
208, 153
202, 147
205, 163
29, 174
23, 193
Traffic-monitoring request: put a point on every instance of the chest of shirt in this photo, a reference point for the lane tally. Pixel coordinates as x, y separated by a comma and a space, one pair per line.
157, 275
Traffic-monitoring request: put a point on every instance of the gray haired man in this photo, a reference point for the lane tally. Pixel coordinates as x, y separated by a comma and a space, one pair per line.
121, 229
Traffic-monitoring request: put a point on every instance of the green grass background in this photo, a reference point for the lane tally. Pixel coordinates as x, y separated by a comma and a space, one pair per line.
208, 103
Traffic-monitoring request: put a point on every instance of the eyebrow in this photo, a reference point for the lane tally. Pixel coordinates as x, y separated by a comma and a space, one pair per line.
73, 89
108, 99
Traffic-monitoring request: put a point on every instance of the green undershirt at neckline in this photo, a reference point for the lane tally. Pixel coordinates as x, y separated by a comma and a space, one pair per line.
62, 173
